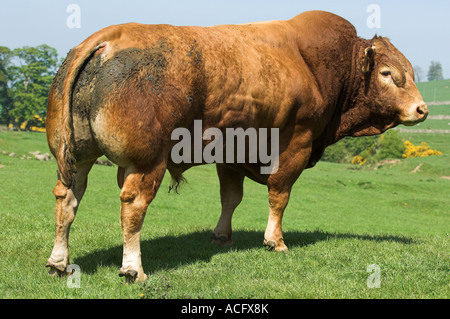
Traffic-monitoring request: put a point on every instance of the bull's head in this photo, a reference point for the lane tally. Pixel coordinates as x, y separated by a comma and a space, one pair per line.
390, 77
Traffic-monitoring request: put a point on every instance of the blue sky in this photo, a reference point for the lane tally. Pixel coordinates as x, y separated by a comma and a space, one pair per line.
420, 29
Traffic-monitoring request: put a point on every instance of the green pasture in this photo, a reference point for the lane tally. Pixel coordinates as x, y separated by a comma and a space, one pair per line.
439, 110
430, 124
340, 220
435, 91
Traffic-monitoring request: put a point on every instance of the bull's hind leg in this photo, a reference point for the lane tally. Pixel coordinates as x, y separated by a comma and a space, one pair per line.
138, 190
67, 202
231, 192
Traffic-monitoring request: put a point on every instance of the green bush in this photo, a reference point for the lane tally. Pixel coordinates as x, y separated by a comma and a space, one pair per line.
390, 146
344, 150
371, 148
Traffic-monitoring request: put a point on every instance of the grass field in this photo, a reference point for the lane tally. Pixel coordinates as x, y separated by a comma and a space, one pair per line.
340, 219
435, 91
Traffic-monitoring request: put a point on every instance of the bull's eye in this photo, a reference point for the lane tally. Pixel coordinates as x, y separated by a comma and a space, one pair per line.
385, 73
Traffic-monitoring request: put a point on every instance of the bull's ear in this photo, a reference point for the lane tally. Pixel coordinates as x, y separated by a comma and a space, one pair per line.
368, 59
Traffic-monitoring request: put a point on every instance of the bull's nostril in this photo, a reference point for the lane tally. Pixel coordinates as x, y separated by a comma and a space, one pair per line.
422, 110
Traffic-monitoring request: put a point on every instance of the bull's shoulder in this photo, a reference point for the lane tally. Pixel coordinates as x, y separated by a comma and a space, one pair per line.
324, 31
317, 20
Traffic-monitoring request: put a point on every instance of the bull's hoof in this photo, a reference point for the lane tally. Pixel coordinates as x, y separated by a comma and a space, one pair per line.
275, 245
221, 240
56, 272
57, 269
132, 276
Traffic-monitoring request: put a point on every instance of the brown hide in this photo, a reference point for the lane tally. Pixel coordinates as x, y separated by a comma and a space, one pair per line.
252, 75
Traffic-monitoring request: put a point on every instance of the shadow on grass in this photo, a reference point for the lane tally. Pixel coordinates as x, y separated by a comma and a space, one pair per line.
174, 251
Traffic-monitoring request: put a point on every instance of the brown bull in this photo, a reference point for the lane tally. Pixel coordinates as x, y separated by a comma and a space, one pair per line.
125, 89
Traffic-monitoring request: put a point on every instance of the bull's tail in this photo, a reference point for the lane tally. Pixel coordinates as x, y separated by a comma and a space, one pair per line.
65, 155
177, 179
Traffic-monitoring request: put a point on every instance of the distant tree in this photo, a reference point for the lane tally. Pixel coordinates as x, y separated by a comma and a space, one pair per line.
418, 73
435, 71
6, 102
30, 80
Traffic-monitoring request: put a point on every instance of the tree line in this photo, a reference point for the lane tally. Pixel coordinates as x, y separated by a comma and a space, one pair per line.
434, 72
25, 77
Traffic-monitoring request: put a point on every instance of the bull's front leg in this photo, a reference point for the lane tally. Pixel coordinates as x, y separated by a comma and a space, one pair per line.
291, 164
273, 236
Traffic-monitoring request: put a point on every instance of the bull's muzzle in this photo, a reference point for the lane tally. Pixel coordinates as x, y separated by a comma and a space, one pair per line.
417, 114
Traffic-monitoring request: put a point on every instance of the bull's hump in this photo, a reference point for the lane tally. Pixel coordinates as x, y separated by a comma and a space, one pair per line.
324, 21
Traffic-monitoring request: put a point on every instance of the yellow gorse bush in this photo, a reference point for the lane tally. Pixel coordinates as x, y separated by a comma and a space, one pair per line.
37, 120
358, 159
37, 129
418, 151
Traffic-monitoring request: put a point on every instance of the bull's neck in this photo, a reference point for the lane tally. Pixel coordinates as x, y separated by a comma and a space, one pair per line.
344, 117
354, 109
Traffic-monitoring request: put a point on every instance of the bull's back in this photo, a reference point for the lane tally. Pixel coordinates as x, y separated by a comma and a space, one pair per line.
147, 80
